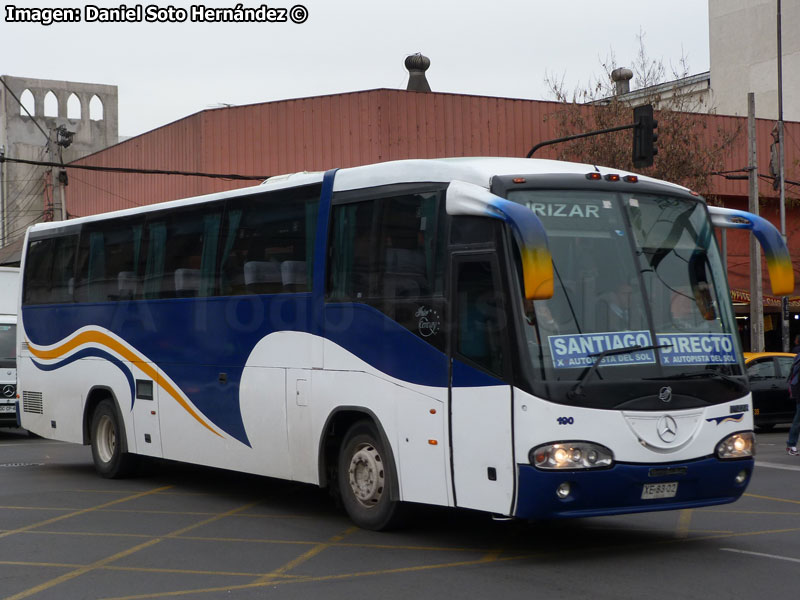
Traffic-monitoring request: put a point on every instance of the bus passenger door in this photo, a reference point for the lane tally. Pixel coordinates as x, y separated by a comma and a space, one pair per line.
480, 400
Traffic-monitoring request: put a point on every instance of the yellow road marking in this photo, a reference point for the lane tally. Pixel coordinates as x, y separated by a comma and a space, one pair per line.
480, 561
157, 512
198, 538
490, 557
109, 559
306, 556
82, 512
280, 576
773, 499
759, 512
684, 522
19, 563
745, 534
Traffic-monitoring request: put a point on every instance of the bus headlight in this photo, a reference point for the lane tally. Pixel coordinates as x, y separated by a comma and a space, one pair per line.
571, 455
738, 445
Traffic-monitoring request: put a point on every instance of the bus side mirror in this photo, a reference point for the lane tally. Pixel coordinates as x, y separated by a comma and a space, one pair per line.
701, 289
537, 263
779, 262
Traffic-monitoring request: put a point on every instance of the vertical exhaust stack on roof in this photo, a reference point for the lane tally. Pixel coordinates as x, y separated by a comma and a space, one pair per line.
417, 64
622, 80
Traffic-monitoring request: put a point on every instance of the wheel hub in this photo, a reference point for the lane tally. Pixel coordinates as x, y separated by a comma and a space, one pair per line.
367, 475
107, 439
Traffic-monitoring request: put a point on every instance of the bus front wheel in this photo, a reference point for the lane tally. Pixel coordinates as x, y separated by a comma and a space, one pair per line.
365, 480
107, 433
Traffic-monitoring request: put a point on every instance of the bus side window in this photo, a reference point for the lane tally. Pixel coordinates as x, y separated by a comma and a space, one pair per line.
107, 261
50, 271
38, 264
181, 254
387, 251
352, 260
267, 243
64, 269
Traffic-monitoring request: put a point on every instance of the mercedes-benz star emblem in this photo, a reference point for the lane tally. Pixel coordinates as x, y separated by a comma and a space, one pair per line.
8, 391
667, 429
665, 394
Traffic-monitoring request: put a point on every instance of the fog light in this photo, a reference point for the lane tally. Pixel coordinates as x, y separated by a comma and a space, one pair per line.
741, 477
563, 491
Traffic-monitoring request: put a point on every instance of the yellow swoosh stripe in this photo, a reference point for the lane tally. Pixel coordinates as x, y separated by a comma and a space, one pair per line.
97, 337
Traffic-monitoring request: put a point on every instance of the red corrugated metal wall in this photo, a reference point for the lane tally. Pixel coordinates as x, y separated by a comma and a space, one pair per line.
344, 130
308, 134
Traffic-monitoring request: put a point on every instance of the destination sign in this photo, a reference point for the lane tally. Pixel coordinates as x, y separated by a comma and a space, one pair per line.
697, 348
577, 350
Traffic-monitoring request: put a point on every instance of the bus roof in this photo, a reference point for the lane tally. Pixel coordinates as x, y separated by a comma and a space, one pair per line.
476, 170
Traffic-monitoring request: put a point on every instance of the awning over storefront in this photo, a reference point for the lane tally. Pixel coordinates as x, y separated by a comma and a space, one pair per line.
743, 297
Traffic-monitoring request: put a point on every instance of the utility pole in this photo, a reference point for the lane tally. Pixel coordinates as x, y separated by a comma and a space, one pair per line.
52, 148
782, 181
756, 299
3, 211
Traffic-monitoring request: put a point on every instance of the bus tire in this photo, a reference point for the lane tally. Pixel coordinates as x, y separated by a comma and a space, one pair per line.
365, 481
107, 439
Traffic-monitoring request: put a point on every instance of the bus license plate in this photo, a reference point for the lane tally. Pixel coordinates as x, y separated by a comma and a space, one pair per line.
4, 408
654, 491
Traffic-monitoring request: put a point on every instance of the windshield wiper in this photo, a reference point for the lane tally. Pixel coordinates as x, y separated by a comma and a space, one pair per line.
703, 373
577, 390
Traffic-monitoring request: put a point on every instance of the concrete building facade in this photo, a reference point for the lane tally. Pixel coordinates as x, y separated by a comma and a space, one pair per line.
51, 121
743, 43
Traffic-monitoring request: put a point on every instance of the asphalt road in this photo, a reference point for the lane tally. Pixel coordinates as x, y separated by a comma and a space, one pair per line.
178, 531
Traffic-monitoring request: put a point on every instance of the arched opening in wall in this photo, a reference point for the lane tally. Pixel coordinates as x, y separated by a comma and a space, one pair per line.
96, 108
28, 105
50, 105
74, 107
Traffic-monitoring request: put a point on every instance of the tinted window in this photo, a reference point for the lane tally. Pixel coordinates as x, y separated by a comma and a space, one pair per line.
472, 230
408, 247
50, 270
181, 253
761, 369
389, 247
108, 261
268, 242
353, 265
389, 252
38, 263
64, 269
785, 365
8, 343
481, 322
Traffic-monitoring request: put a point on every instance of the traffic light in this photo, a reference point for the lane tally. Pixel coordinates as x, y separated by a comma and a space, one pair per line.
645, 135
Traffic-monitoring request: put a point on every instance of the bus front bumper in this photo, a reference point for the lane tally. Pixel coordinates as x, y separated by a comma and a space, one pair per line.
629, 488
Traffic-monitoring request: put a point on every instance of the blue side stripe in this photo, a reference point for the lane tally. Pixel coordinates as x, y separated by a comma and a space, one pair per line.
96, 353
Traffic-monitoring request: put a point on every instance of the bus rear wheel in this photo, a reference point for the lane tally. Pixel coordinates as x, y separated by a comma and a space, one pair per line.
365, 480
107, 435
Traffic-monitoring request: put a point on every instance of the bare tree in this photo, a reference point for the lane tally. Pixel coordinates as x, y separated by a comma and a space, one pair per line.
687, 152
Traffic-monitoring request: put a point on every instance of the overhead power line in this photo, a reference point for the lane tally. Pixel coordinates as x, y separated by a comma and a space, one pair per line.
136, 171
741, 174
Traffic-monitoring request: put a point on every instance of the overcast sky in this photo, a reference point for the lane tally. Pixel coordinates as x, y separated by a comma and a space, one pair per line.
501, 48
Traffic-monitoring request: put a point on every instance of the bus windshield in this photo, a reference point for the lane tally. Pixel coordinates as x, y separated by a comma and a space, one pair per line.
638, 280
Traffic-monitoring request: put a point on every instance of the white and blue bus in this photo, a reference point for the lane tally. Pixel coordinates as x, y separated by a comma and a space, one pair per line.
528, 338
